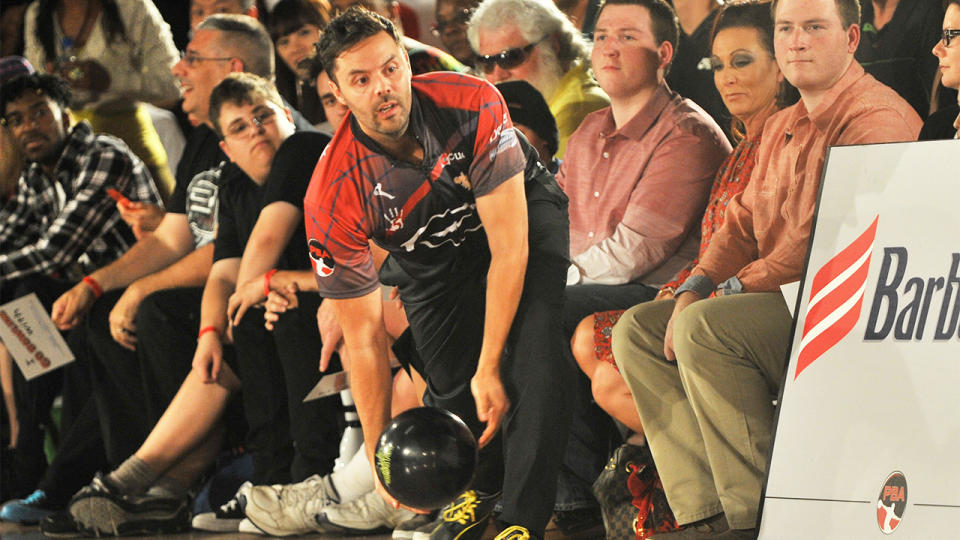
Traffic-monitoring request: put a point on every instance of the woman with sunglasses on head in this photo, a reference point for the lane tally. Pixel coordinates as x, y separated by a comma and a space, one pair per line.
116, 56
945, 123
749, 80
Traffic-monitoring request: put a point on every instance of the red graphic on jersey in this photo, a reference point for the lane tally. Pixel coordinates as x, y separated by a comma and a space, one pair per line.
836, 297
320, 258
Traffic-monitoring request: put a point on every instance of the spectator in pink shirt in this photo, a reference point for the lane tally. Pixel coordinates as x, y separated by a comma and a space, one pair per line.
704, 371
638, 174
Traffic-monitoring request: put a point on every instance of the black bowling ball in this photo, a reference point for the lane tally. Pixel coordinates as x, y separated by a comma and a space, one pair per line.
426, 457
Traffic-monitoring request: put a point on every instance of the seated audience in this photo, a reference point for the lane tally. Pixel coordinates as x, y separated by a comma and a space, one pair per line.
248, 114
295, 27
531, 115
116, 57
531, 40
690, 74
704, 370
451, 28
582, 13
637, 174
333, 109
59, 226
746, 73
140, 334
895, 48
944, 123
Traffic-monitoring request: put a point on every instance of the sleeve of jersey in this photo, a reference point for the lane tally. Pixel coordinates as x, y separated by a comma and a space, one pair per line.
336, 225
497, 155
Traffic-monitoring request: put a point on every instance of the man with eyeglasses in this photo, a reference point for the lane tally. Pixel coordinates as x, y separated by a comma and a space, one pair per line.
59, 226
532, 40
142, 327
705, 370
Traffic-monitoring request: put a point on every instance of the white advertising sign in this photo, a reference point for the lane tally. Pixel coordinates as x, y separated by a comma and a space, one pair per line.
868, 431
33, 341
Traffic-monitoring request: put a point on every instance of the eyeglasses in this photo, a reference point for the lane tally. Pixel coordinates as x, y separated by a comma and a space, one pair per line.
458, 20
192, 58
509, 58
948, 35
241, 129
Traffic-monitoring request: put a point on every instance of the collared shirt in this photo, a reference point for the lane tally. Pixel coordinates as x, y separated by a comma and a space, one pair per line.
636, 193
425, 215
575, 97
72, 226
763, 242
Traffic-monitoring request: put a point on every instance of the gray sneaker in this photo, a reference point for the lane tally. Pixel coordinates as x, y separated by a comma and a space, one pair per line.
369, 514
290, 509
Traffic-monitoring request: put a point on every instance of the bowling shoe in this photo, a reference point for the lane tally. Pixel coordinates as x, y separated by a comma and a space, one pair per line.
463, 519
227, 518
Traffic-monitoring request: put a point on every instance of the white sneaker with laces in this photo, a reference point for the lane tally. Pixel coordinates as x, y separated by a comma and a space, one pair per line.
247, 526
369, 514
290, 509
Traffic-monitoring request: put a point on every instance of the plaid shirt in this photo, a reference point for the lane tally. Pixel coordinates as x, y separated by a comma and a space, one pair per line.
67, 226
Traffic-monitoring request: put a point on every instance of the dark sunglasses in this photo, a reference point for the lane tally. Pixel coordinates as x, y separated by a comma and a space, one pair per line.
948, 35
507, 59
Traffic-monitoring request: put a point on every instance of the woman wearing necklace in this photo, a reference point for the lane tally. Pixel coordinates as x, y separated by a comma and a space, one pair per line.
116, 56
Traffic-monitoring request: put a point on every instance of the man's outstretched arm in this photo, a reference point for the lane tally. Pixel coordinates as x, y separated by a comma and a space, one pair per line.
503, 212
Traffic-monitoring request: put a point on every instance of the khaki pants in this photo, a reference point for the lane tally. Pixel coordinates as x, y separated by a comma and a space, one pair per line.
708, 417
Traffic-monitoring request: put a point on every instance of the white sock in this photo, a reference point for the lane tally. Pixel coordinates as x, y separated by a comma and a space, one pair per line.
355, 479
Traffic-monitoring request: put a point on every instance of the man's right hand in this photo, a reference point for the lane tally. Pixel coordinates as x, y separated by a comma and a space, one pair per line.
208, 359
123, 324
70, 308
331, 335
685, 299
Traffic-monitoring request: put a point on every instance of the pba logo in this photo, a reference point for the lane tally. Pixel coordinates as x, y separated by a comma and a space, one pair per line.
892, 502
836, 296
320, 258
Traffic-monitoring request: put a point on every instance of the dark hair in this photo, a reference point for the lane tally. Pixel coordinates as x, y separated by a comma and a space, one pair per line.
753, 14
240, 89
666, 27
849, 11
46, 9
346, 30
245, 38
51, 86
289, 15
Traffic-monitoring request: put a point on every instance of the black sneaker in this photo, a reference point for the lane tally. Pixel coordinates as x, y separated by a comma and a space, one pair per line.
100, 511
463, 519
227, 518
60, 525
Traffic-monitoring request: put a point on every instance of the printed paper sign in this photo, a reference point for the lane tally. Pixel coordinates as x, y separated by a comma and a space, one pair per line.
33, 341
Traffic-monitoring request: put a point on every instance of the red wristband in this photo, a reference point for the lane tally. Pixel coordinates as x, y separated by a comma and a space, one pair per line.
266, 281
206, 329
94, 286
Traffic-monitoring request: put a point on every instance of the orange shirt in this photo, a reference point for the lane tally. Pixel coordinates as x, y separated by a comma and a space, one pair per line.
764, 239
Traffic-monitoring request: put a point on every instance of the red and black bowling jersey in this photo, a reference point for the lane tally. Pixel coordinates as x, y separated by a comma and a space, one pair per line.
424, 215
